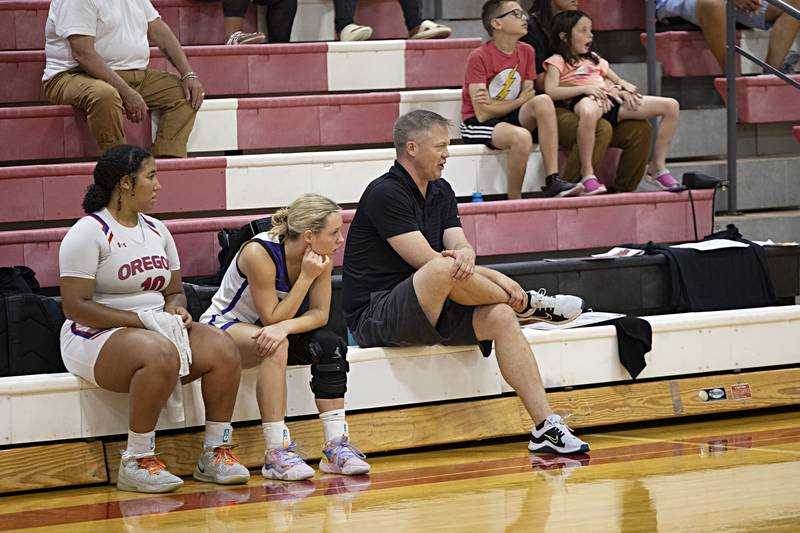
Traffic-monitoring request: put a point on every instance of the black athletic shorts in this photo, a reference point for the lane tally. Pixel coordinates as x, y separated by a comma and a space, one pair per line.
475, 132
395, 318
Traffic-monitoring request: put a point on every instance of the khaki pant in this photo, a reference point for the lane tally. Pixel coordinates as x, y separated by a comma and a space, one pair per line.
161, 92
632, 136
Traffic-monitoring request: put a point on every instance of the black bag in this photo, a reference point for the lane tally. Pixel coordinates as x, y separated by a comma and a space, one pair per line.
198, 299
231, 240
18, 279
698, 180
30, 326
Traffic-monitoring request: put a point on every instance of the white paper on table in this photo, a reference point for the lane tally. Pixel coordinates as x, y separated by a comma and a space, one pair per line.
713, 244
586, 319
769, 242
618, 251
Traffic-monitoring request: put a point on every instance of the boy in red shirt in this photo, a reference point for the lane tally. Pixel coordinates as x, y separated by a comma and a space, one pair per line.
500, 107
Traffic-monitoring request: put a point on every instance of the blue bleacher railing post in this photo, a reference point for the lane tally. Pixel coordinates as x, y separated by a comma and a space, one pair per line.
730, 74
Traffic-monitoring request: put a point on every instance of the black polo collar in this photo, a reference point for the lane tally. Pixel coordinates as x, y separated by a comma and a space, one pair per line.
400, 173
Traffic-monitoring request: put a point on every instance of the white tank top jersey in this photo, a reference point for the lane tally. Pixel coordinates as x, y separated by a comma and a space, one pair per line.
119, 29
233, 302
130, 266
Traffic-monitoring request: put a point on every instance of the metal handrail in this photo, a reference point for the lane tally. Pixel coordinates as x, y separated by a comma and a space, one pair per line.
730, 74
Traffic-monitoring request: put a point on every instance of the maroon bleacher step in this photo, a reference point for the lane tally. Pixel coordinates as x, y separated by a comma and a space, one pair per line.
258, 69
761, 99
494, 228
685, 54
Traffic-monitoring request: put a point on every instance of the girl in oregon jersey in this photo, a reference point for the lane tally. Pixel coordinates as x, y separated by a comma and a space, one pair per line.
274, 301
116, 262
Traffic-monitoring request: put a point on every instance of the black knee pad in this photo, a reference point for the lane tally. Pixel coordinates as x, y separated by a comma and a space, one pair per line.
329, 365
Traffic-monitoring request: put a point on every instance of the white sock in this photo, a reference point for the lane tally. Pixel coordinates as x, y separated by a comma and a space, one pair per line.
217, 434
141, 443
333, 424
276, 435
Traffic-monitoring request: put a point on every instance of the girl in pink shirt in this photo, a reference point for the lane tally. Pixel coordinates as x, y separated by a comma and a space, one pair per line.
587, 84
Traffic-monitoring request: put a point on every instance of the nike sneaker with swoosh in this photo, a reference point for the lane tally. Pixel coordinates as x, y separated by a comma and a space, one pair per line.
558, 309
219, 465
554, 436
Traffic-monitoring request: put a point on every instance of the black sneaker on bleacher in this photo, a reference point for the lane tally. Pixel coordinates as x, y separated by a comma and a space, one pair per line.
554, 186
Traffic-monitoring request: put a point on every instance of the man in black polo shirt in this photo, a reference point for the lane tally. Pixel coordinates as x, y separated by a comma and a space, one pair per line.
410, 276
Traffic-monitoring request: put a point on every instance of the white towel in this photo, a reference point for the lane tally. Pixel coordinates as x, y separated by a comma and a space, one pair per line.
171, 326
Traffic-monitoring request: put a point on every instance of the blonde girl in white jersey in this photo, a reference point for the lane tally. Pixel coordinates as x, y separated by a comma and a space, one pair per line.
114, 263
274, 301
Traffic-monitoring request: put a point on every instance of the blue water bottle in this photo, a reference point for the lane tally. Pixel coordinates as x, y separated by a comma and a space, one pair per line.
477, 197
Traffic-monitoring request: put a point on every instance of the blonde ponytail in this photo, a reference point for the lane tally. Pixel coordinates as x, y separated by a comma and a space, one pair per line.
307, 212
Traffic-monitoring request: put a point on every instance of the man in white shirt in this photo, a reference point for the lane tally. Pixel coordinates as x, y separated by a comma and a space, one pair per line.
97, 57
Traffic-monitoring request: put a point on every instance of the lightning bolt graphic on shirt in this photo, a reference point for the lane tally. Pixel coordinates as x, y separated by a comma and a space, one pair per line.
507, 85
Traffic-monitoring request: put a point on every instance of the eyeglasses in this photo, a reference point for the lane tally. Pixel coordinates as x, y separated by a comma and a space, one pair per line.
519, 13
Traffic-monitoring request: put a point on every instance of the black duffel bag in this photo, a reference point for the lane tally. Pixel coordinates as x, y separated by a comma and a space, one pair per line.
30, 325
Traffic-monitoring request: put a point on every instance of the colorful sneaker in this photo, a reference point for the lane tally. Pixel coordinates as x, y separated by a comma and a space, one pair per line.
145, 474
592, 186
239, 37
558, 309
286, 464
555, 187
341, 457
428, 29
791, 63
555, 437
665, 181
355, 32
219, 465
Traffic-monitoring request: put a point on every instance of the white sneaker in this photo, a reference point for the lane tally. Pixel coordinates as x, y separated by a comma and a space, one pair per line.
555, 437
558, 309
239, 37
219, 465
428, 29
145, 474
355, 32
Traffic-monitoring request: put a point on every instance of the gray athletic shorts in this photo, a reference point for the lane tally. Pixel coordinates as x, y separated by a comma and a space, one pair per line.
685, 9
395, 318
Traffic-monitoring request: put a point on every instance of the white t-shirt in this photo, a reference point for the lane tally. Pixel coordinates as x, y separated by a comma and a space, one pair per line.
119, 28
130, 266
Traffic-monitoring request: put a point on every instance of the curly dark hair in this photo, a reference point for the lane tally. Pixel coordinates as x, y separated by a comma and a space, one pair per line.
113, 164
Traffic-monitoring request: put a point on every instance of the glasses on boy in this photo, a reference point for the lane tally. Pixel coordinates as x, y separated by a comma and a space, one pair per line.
519, 13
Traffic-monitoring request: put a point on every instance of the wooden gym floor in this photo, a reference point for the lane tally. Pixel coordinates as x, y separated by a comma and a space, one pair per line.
730, 474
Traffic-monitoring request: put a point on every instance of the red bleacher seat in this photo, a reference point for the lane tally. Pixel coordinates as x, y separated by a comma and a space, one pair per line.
437, 63
494, 228
761, 99
252, 69
796, 131
59, 132
685, 54
322, 120
54, 192
384, 16
193, 22
615, 14
54, 132
22, 24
